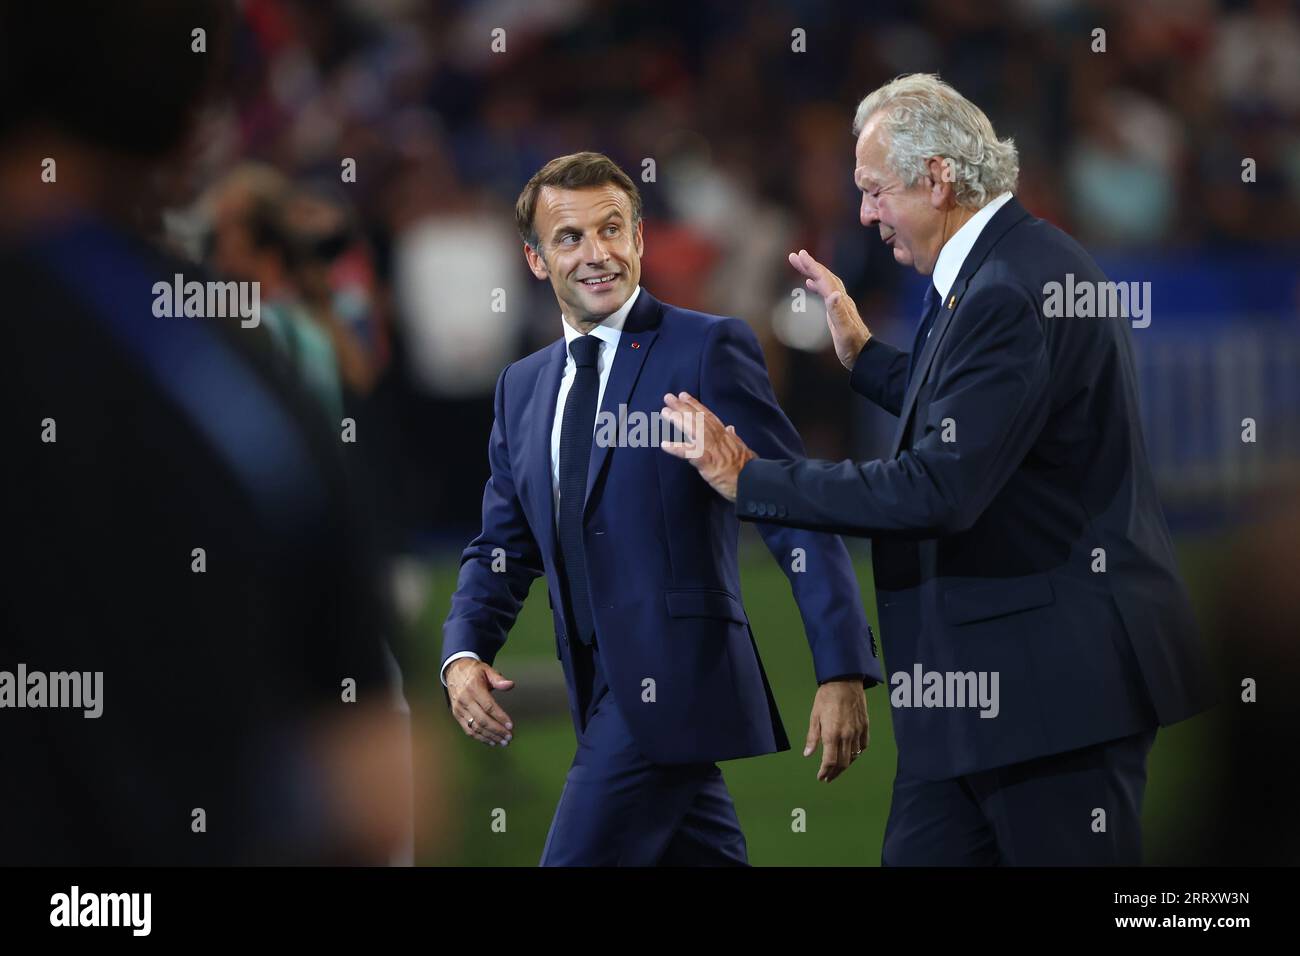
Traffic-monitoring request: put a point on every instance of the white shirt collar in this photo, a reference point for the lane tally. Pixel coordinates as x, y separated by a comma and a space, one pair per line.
954, 252
610, 330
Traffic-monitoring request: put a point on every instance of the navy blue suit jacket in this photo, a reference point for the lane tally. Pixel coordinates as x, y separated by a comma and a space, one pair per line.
984, 544
661, 545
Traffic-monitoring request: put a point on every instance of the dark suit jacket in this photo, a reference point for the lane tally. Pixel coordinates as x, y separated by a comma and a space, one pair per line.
984, 545
661, 545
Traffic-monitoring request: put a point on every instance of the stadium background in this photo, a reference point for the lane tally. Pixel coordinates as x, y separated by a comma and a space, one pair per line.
1136, 150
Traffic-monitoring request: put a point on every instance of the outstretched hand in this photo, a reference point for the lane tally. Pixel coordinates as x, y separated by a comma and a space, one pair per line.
470, 686
713, 448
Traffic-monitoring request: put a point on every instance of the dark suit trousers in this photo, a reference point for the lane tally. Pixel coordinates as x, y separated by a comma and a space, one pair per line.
1041, 812
619, 809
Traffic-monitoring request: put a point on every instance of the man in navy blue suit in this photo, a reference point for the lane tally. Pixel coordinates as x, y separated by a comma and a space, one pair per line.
663, 674
1036, 627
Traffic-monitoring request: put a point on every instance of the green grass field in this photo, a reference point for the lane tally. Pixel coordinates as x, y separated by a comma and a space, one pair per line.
845, 820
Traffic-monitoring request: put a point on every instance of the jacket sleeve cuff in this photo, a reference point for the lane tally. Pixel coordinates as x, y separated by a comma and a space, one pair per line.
872, 368
754, 501
853, 656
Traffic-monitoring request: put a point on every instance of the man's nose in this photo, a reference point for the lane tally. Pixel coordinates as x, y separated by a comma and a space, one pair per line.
868, 213
595, 251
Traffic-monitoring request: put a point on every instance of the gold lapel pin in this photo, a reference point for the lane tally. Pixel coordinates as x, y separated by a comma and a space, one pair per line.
952, 301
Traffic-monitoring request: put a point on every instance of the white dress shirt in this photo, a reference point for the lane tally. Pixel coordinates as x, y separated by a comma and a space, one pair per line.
954, 252
609, 332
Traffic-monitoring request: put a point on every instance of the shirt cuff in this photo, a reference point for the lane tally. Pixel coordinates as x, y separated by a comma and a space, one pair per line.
442, 674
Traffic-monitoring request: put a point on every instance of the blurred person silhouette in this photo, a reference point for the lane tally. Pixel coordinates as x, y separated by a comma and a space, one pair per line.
176, 518
460, 306
1245, 813
336, 275
1122, 169
250, 241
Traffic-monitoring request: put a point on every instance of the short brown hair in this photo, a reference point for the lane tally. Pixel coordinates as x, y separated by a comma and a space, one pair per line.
575, 171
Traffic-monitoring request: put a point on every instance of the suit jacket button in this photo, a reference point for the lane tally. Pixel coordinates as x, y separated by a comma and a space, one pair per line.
753, 508
780, 511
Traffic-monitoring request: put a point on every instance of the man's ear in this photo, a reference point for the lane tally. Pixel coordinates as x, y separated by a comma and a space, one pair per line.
536, 264
639, 238
943, 180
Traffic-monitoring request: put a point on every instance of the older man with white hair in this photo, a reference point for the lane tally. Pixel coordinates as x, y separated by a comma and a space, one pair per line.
1031, 612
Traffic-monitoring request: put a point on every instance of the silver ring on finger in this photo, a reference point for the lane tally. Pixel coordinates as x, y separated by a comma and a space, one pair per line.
471, 722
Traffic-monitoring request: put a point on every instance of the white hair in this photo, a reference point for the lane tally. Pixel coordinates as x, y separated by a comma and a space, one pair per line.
925, 117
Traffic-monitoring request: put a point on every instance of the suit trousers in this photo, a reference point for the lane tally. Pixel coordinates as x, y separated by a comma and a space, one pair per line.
619, 809
1041, 812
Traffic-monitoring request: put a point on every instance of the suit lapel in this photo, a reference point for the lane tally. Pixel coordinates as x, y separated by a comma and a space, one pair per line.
1009, 215
545, 393
639, 333
946, 310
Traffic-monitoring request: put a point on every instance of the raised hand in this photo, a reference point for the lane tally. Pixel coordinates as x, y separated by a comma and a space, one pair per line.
848, 331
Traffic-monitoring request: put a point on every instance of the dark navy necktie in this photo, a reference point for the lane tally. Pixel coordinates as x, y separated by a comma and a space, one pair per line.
575, 453
929, 310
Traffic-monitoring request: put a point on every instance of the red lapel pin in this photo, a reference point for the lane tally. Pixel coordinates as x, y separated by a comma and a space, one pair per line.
636, 345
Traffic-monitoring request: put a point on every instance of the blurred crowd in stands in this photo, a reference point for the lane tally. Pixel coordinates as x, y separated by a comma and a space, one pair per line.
1133, 123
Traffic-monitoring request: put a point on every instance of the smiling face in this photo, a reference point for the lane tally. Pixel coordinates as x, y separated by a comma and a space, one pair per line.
590, 250
914, 221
